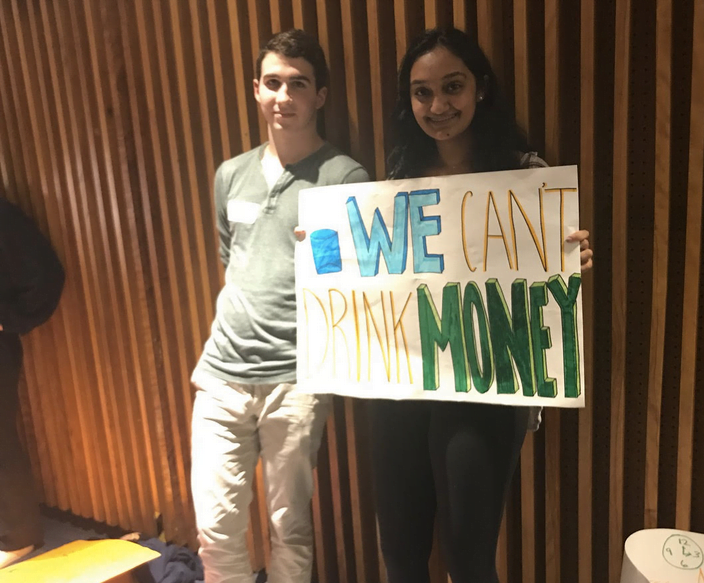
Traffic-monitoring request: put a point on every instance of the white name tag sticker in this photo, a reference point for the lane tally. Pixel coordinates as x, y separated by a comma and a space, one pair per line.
240, 211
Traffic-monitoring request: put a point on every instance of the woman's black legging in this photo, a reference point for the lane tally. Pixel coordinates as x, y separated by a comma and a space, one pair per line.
456, 458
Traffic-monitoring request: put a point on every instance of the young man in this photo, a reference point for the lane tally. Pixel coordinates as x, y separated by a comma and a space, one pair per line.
246, 404
31, 280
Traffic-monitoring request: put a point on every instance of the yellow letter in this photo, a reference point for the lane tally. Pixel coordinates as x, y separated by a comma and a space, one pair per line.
562, 221
399, 324
369, 316
356, 333
327, 332
487, 236
542, 252
464, 235
344, 336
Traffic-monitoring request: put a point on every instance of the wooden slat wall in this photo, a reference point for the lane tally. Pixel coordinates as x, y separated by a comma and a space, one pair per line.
116, 114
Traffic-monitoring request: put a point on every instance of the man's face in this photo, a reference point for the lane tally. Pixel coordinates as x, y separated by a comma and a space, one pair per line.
286, 93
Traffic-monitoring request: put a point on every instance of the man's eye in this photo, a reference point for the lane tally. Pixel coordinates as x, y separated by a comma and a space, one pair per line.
298, 84
273, 84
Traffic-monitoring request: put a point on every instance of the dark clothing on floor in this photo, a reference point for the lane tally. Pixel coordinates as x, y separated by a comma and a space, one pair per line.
31, 280
175, 565
453, 459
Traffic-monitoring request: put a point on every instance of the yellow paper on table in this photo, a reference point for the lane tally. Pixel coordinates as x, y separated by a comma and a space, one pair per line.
80, 562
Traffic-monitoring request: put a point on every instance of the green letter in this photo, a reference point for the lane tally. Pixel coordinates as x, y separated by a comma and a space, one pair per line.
510, 337
483, 376
434, 331
547, 386
566, 298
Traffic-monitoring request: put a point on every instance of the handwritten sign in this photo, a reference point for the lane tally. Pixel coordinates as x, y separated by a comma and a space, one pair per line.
457, 288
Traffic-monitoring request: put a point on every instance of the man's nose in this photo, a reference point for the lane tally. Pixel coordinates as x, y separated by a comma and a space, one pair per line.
282, 95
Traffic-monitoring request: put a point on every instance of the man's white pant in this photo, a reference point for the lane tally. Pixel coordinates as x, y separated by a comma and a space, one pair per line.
232, 425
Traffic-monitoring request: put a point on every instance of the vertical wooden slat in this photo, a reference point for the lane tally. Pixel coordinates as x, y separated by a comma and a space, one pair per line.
183, 301
159, 373
330, 38
619, 258
175, 358
363, 523
339, 476
408, 22
355, 42
502, 558
553, 425
459, 14
242, 73
94, 503
587, 195
323, 519
90, 206
106, 67
142, 425
75, 463
527, 463
521, 49
304, 15
281, 15
260, 31
223, 112
382, 61
490, 35
204, 294
661, 232
401, 27
86, 262
432, 13
552, 82
692, 278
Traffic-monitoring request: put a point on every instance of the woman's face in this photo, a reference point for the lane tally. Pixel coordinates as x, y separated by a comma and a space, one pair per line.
443, 94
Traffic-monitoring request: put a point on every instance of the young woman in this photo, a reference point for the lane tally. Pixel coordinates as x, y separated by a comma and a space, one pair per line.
453, 459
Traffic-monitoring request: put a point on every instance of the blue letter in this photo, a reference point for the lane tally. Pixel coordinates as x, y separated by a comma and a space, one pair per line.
326, 251
422, 227
368, 248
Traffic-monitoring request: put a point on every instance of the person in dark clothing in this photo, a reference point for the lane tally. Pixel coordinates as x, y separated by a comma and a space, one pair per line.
31, 281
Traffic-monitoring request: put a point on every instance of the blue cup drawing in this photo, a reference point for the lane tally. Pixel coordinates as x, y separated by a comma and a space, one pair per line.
326, 251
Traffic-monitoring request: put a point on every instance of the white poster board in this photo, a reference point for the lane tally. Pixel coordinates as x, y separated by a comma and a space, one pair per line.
456, 288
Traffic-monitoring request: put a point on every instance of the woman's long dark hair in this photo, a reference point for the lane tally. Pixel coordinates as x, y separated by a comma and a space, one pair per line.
497, 140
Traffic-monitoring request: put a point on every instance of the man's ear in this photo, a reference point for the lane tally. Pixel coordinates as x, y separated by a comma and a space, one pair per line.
322, 95
255, 86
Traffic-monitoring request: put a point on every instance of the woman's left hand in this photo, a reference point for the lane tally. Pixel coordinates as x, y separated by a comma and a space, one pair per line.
586, 254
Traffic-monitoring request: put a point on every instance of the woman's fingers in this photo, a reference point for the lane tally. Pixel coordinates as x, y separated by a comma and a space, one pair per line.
587, 258
578, 236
